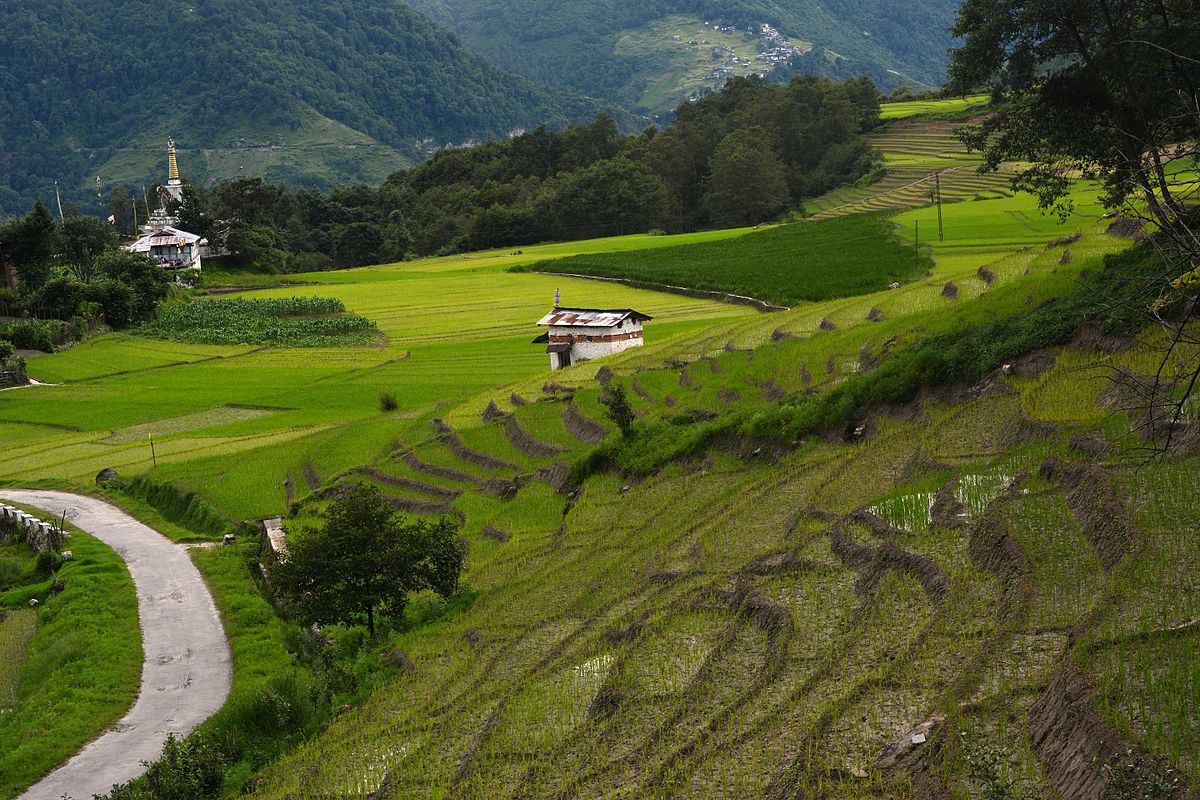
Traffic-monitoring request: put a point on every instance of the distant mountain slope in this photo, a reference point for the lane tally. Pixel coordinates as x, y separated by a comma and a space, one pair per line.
577, 43
350, 90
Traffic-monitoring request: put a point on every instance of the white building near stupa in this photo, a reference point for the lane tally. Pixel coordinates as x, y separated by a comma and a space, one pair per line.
161, 238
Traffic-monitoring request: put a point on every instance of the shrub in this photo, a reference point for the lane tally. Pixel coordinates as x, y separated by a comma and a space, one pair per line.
388, 402
617, 407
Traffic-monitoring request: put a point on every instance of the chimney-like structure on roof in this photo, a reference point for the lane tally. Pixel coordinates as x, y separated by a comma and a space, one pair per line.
172, 165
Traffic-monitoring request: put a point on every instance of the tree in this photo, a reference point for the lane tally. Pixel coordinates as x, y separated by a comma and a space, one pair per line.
748, 183
617, 407
148, 283
1106, 88
29, 243
80, 239
366, 560
193, 210
359, 244
121, 207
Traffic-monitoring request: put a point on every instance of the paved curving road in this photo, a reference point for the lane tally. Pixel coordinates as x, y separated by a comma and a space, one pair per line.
186, 674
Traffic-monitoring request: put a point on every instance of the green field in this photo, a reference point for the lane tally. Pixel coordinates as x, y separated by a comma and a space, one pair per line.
453, 328
787, 265
933, 108
720, 610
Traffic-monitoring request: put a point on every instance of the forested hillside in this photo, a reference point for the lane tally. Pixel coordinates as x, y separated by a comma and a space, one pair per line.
575, 43
744, 156
300, 91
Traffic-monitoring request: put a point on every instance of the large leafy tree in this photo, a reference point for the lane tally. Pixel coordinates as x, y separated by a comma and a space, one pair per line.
29, 244
1105, 88
749, 183
365, 560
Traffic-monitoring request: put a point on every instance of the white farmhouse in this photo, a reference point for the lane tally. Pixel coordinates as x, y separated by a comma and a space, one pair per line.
581, 334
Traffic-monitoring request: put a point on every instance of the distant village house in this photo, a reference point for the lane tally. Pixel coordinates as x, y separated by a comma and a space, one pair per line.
581, 334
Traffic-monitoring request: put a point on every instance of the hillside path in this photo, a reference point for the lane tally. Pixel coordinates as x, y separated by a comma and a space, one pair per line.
187, 669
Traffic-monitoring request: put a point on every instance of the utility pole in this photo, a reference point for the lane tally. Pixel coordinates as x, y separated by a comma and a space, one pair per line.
917, 243
58, 197
937, 177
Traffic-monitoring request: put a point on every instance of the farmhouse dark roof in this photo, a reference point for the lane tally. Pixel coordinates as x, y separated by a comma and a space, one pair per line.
592, 317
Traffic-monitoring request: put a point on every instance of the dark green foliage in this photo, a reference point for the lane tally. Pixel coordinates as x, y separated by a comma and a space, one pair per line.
748, 182
989, 769
1108, 91
376, 67
805, 261
388, 402
617, 407
35, 334
188, 769
28, 243
364, 559
286, 322
82, 238
1132, 777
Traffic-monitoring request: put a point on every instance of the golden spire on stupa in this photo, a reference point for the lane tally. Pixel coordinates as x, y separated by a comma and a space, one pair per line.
172, 164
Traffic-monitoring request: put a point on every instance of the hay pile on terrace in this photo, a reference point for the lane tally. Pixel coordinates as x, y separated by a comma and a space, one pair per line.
875, 314
517, 400
771, 391
455, 445
1064, 240
714, 366
669, 401
581, 426
827, 325
950, 291
550, 387
604, 376
558, 475
866, 361
524, 441
491, 412
311, 477
1066, 257
728, 395
448, 473
805, 375
640, 391
421, 507
685, 379
986, 275
411, 484
779, 334
1127, 228
505, 489
496, 533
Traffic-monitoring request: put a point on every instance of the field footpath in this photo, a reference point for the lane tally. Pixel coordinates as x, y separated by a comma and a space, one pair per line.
187, 670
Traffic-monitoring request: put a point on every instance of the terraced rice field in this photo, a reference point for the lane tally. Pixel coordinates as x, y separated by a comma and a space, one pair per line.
918, 154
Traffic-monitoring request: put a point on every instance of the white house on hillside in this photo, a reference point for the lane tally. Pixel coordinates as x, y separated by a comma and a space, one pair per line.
581, 334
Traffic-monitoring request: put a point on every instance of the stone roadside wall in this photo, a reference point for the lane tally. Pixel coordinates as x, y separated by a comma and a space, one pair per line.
39, 535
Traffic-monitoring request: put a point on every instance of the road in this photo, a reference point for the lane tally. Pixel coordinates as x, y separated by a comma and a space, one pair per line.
187, 670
